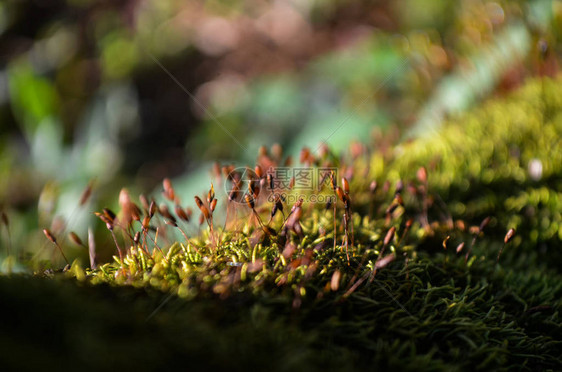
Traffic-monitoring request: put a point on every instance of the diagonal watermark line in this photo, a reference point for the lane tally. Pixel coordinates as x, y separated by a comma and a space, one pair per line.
159, 307
394, 299
387, 292
379, 87
210, 114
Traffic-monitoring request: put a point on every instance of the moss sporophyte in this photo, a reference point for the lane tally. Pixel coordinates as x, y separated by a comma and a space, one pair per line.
412, 254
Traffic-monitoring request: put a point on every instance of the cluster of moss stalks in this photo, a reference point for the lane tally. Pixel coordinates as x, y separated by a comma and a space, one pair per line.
410, 278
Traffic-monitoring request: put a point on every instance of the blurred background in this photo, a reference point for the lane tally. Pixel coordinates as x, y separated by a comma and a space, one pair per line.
123, 93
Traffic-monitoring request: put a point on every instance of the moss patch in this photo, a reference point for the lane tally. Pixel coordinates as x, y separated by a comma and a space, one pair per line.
387, 294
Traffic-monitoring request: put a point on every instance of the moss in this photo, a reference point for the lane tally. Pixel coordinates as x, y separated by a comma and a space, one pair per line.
503, 160
386, 295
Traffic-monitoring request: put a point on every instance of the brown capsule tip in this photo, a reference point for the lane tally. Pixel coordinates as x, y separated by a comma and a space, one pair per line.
389, 235
198, 201
152, 209
270, 181
171, 223
181, 213
251, 186
146, 223
168, 189
391, 208
297, 214
445, 241
297, 204
249, 201
422, 175
323, 150
109, 214
484, 223
460, 247
259, 171
103, 218
256, 191
135, 212
213, 205
409, 223
136, 238
279, 204
205, 212
75, 238
86, 193
144, 202
297, 228
292, 183
373, 186
386, 186
459, 224
164, 211
340, 193
345, 185
277, 151
167, 184
509, 235
335, 282
304, 155
211, 194
412, 189
385, 261
49, 236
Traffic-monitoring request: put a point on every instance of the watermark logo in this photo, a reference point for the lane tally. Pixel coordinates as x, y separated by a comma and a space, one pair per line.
312, 184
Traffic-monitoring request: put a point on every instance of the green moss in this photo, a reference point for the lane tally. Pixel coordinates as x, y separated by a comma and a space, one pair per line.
247, 298
503, 160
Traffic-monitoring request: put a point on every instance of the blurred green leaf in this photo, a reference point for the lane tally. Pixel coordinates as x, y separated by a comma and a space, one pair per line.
119, 55
367, 63
34, 98
277, 101
338, 129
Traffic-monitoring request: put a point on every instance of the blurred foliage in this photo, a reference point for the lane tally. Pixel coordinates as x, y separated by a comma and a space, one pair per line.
89, 90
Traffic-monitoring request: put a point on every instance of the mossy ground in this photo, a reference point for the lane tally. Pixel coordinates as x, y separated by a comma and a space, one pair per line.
271, 302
